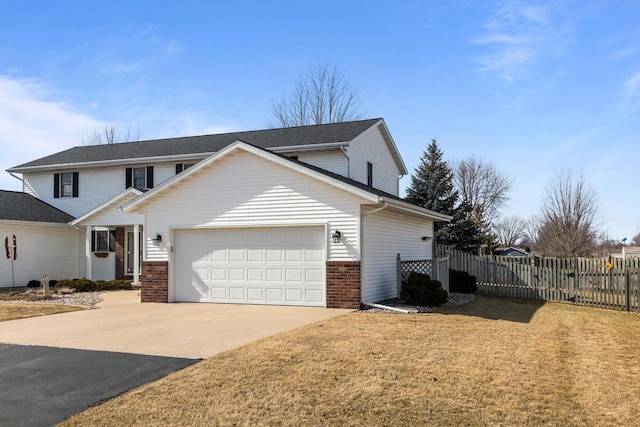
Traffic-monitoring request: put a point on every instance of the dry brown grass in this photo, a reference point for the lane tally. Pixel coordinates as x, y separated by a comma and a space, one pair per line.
12, 311
493, 362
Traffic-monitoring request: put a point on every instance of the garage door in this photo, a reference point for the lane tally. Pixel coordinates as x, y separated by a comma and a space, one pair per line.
281, 266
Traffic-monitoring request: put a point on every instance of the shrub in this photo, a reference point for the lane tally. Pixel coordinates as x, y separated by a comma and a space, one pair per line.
461, 281
86, 285
420, 289
52, 283
33, 284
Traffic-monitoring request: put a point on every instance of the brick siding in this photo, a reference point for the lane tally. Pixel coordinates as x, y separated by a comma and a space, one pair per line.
343, 284
155, 281
120, 254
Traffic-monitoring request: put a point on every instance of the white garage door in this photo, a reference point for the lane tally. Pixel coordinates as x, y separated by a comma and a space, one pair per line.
281, 266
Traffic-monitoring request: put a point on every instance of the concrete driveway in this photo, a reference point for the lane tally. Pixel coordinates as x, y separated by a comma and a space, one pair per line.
186, 330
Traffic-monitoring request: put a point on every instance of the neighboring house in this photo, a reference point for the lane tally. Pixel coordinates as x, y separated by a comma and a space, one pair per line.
302, 216
629, 252
511, 251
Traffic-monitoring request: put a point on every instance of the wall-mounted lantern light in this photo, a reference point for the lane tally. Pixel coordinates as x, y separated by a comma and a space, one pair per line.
157, 239
336, 236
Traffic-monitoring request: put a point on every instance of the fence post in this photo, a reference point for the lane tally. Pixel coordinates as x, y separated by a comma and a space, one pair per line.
399, 274
627, 286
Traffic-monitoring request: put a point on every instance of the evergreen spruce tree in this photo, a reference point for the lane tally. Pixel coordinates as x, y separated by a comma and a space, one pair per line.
432, 188
432, 182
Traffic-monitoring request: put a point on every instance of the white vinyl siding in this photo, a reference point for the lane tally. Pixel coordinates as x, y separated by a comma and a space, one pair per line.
387, 234
333, 161
371, 147
97, 185
103, 268
50, 250
246, 190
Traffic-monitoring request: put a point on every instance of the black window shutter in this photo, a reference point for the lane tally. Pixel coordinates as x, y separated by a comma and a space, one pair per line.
128, 178
112, 241
93, 241
149, 176
178, 168
56, 185
76, 180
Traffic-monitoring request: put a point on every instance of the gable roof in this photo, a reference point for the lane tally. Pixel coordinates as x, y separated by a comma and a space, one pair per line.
372, 194
205, 145
18, 206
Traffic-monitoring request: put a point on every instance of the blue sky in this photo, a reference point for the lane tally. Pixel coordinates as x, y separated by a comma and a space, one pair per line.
534, 87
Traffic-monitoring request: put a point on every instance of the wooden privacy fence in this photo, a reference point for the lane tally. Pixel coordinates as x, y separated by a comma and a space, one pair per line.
437, 268
585, 281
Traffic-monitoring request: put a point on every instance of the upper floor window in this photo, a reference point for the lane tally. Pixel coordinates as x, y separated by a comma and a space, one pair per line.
370, 174
65, 184
141, 178
182, 166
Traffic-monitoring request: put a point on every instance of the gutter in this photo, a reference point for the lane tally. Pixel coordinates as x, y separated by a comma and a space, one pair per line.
362, 216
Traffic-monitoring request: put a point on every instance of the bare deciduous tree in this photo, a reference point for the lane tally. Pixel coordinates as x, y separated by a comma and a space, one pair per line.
322, 94
509, 230
531, 231
110, 134
569, 212
484, 187
636, 240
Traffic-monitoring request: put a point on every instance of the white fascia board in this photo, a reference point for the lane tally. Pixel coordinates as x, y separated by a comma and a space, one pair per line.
97, 209
34, 223
115, 162
241, 145
408, 207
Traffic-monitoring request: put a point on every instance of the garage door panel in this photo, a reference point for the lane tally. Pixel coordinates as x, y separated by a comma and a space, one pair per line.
237, 294
293, 295
255, 294
313, 295
258, 266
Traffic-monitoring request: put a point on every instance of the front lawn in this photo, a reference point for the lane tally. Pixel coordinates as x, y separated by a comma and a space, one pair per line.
492, 362
12, 311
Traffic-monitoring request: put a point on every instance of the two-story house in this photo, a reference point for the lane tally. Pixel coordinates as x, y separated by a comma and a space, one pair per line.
304, 215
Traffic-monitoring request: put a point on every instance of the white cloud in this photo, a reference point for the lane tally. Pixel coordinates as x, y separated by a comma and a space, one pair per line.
631, 87
33, 125
515, 36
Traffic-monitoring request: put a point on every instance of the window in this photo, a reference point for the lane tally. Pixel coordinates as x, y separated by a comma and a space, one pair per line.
65, 184
182, 167
103, 241
370, 174
141, 178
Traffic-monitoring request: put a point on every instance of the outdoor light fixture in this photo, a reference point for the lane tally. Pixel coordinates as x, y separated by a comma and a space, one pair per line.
336, 236
426, 237
158, 239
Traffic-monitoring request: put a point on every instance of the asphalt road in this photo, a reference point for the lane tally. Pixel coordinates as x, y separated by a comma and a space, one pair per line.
41, 386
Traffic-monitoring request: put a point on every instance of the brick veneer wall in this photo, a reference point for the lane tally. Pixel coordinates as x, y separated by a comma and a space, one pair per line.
343, 284
155, 281
120, 253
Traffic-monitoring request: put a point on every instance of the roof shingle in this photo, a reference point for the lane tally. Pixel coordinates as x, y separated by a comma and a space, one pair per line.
17, 206
268, 138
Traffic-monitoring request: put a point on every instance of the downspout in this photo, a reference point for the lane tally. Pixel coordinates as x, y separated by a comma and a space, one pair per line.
16, 177
362, 216
398, 185
19, 179
344, 151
